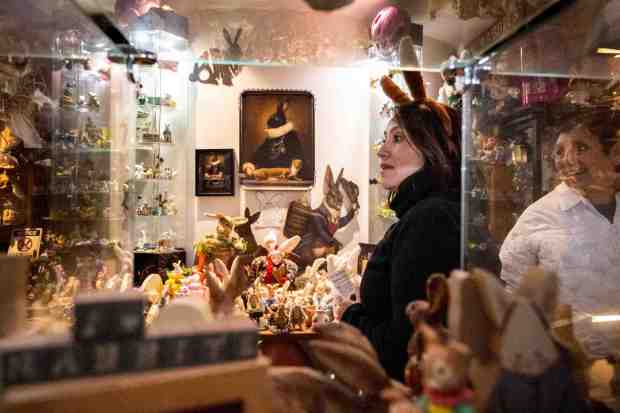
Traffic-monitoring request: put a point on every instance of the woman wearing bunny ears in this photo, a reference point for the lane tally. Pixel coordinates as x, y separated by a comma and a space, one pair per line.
420, 164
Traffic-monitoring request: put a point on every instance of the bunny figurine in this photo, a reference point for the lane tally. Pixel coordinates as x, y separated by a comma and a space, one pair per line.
275, 268
445, 371
233, 52
518, 364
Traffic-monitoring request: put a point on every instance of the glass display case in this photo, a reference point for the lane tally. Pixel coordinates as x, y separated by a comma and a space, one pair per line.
64, 169
163, 113
541, 163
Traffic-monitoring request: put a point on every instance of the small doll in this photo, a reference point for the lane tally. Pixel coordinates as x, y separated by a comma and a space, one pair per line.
297, 315
254, 306
275, 268
279, 318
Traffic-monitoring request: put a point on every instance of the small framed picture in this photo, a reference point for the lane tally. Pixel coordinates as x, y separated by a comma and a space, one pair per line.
215, 172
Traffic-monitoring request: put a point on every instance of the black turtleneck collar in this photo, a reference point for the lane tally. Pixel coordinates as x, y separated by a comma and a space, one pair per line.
413, 189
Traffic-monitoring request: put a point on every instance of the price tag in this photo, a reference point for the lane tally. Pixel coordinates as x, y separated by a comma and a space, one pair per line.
342, 283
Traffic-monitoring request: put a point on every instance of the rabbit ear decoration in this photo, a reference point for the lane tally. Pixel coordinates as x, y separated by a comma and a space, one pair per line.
227, 36
333, 263
290, 244
270, 242
317, 264
394, 92
415, 83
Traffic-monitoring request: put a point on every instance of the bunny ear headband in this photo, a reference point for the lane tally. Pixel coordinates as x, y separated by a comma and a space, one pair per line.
416, 86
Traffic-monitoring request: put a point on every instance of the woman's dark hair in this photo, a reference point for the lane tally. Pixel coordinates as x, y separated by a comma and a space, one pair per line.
440, 147
601, 125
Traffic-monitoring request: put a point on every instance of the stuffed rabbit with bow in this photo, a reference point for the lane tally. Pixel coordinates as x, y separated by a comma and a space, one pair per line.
275, 267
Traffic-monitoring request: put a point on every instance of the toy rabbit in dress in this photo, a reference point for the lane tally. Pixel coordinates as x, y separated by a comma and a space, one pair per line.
275, 268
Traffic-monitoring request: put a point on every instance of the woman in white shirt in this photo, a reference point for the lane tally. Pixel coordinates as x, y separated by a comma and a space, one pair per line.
575, 231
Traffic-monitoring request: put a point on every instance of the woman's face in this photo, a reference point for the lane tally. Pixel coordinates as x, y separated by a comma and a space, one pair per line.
398, 157
579, 161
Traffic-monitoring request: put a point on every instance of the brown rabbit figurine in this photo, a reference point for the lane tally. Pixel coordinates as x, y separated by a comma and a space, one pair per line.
432, 313
445, 368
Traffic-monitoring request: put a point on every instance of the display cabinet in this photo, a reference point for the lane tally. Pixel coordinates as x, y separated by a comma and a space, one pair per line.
520, 98
540, 157
65, 99
162, 114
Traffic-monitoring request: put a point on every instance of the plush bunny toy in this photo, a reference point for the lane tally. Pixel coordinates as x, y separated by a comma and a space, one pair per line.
275, 267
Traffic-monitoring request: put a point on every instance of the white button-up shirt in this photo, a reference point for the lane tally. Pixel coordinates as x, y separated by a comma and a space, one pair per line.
564, 233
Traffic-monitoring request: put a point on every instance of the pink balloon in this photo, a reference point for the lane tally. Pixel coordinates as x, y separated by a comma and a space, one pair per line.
388, 27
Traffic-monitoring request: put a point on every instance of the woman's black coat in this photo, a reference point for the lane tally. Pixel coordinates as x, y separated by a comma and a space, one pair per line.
425, 240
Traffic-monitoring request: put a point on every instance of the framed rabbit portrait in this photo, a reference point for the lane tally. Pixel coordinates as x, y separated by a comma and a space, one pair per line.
215, 172
277, 138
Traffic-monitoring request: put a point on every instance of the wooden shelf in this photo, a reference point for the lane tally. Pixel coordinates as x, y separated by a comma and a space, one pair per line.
193, 389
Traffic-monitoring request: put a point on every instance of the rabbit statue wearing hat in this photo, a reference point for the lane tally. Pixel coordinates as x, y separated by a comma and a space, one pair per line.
275, 267
281, 154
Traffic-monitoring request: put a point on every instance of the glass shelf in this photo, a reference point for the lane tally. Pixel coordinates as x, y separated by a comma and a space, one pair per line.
98, 219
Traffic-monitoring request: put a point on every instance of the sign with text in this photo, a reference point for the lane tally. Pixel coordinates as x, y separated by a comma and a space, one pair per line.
25, 242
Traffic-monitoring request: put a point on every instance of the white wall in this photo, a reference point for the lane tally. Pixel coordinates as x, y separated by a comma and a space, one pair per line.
342, 102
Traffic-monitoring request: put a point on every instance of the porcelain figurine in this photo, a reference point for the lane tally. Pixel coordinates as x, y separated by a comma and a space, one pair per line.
275, 267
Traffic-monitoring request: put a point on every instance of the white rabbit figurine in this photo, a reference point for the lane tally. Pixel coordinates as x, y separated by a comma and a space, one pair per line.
275, 267
342, 273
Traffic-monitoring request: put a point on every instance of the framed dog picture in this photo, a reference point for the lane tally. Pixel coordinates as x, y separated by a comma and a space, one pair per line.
277, 138
215, 172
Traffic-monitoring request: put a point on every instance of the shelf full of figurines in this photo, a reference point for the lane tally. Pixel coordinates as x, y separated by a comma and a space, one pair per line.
72, 101
88, 138
57, 278
162, 205
11, 194
157, 172
148, 118
164, 243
